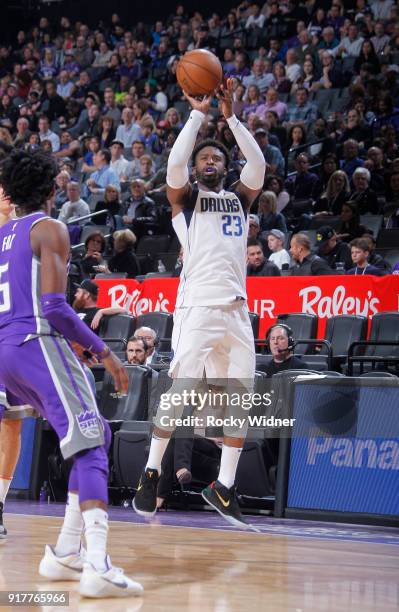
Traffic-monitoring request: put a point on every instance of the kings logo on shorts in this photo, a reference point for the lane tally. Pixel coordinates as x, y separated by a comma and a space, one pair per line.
88, 423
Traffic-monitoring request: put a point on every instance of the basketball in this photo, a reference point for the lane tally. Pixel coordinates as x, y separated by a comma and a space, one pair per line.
199, 72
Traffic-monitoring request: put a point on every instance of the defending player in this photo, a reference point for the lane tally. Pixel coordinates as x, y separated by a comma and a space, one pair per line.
212, 330
11, 410
38, 366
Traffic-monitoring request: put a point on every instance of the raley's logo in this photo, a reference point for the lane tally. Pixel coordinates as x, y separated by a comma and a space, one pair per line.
225, 205
345, 452
134, 304
314, 302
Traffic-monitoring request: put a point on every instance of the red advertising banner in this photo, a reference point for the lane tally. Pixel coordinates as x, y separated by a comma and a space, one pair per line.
324, 296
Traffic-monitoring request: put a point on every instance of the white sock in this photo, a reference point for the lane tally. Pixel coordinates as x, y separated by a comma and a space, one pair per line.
96, 531
157, 451
71, 531
228, 465
4, 486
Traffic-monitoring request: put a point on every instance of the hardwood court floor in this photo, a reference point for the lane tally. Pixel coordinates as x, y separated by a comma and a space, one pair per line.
217, 570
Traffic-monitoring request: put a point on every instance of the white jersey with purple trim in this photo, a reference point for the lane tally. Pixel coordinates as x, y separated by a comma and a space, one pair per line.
213, 232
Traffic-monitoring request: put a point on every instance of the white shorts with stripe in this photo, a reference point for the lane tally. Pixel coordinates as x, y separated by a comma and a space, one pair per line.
217, 340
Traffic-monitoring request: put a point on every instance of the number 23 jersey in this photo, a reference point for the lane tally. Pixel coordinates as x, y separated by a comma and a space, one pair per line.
213, 231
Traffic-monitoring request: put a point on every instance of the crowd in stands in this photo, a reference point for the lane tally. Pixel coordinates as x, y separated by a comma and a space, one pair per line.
316, 83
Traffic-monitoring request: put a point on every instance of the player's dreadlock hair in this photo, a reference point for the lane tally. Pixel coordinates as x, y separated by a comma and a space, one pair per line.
27, 178
210, 142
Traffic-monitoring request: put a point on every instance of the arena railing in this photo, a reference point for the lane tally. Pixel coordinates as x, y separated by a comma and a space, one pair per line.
76, 220
372, 359
300, 148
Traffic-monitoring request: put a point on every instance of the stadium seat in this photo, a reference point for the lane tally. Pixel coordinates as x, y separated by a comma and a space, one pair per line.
384, 328
348, 64
254, 318
322, 99
130, 452
390, 255
153, 245
303, 326
388, 239
109, 275
372, 222
252, 478
341, 331
117, 327
333, 222
162, 324
134, 405
183, 108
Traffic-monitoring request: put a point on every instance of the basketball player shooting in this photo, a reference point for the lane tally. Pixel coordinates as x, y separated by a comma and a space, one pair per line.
39, 367
212, 332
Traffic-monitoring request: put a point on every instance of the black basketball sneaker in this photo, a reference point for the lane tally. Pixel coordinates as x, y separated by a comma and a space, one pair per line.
145, 500
3, 530
225, 501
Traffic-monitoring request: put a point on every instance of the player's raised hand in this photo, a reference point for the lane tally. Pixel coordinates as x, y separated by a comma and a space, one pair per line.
115, 367
201, 105
225, 98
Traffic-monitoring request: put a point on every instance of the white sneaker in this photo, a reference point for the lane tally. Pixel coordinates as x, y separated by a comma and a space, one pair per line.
54, 567
111, 583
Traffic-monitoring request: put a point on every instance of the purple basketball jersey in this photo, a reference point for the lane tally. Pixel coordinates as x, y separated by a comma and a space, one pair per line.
21, 316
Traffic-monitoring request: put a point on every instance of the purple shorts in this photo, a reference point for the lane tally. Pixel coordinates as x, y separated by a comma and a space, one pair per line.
45, 373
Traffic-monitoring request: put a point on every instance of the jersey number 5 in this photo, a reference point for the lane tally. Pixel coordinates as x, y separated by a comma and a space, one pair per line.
232, 225
5, 303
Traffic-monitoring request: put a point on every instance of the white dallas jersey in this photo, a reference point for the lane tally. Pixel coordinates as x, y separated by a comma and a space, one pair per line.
213, 233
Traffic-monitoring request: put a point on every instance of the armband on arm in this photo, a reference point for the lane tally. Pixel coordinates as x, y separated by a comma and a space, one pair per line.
253, 173
65, 321
177, 172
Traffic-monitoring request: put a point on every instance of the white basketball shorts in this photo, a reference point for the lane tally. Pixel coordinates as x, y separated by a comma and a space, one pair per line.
217, 340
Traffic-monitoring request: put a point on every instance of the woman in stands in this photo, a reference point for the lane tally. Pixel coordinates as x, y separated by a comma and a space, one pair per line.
230, 31
275, 183
269, 218
335, 196
239, 100
283, 84
173, 118
317, 23
296, 138
367, 56
111, 203
253, 100
93, 257
106, 131
307, 78
124, 259
350, 227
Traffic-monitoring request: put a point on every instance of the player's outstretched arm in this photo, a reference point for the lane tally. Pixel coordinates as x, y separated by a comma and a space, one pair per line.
253, 173
50, 242
177, 178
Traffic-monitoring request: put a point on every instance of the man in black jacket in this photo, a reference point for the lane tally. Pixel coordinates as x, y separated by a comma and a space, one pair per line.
281, 348
306, 263
332, 250
257, 263
139, 212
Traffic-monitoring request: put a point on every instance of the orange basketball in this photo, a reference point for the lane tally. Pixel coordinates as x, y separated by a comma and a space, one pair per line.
199, 72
